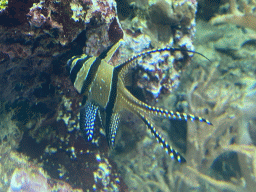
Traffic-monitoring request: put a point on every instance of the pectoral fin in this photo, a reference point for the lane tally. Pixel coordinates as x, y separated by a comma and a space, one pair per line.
87, 120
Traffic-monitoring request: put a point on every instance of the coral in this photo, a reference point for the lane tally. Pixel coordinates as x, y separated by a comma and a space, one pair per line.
156, 75
60, 18
224, 98
34, 179
145, 167
37, 19
102, 9
158, 24
142, 167
37, 39
70, 153
19, 174
8, 163
52, 15
245, 19
34, 50
101, 21
10, 135
221, 157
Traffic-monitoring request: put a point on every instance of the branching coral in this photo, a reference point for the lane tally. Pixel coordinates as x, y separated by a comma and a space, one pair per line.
221, 156
143, 169
247, 18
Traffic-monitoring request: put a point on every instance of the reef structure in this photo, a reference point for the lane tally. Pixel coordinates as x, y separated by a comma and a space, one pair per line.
38, 37
36, 41
159, 24
245, 18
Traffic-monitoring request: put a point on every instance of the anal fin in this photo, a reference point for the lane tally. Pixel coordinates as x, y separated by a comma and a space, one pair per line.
115, 119
168, 149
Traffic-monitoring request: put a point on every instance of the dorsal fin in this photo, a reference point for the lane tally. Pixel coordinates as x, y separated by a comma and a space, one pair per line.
110, 52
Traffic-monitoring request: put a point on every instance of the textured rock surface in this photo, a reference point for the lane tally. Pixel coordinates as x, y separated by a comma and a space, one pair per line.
158, 24
19, 174
36, 40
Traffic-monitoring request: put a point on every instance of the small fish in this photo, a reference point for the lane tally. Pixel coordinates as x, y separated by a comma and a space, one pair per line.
103, 88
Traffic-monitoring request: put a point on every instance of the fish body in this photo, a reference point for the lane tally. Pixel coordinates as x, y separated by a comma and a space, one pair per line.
103, 87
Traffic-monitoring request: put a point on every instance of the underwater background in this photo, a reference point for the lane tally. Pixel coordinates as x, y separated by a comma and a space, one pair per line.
41, 145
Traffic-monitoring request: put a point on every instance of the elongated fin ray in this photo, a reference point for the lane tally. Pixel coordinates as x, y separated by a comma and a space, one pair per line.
160, 112
112, 50
168, 149
173, 115
125, 65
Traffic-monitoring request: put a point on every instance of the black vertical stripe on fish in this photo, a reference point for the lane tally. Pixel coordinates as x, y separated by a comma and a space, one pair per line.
93, 70
70, 61
91, 75
77, 67
111, 102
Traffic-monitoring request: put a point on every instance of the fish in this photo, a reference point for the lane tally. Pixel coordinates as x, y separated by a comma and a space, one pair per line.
106, 96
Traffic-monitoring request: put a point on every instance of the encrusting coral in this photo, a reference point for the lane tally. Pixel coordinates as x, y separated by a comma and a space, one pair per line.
158, 24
